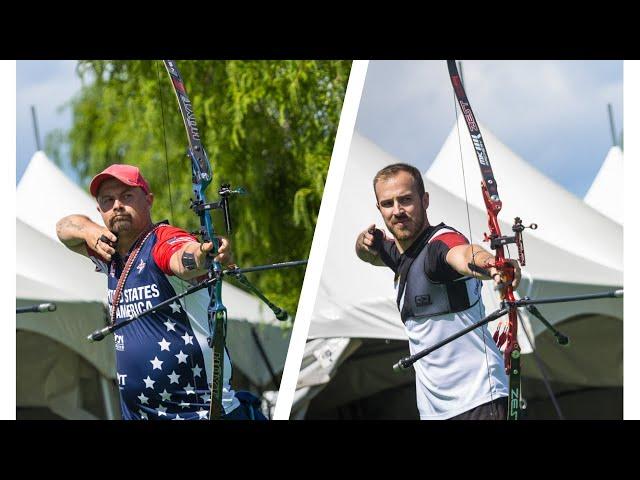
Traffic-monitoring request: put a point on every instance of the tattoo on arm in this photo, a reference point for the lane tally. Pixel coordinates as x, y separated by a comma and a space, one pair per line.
189, 261
481, 261
69, 231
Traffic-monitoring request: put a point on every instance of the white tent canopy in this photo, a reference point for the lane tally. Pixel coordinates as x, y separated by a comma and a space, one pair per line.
356, 301
45, 195
606, 192
46, 271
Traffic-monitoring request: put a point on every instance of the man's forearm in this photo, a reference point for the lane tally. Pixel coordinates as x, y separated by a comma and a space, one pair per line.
187, 263
461, 256
479, 256
72, 231
370, 258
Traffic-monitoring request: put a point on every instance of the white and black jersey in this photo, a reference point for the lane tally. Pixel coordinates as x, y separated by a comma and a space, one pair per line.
436, 302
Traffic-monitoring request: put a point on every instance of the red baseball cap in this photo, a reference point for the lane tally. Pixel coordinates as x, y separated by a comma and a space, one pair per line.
127, 174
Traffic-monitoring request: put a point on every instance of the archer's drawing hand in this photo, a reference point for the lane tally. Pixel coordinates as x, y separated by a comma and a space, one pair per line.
367, 242
102, 241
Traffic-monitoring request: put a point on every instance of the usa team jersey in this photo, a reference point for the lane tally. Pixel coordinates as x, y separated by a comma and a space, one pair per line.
164, 364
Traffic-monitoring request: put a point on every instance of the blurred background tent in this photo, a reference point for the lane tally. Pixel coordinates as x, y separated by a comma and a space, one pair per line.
59, 373
606, 193
356, 334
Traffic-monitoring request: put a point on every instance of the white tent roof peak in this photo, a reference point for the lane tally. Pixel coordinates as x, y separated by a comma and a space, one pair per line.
605, 194
39, 202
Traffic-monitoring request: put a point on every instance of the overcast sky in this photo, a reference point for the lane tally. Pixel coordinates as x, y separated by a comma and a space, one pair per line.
553, 114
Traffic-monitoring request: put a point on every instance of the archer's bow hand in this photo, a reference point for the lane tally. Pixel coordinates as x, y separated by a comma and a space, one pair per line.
509, 274
193, 259
224, 255
484, 267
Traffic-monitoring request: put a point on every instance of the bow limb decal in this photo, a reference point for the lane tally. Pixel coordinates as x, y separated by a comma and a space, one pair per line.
509, 305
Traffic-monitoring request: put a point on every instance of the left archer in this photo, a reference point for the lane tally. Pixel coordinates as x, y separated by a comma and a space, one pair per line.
172, 363
162, 359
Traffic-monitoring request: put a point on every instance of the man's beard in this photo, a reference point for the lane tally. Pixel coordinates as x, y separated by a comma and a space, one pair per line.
410, 229
121, 223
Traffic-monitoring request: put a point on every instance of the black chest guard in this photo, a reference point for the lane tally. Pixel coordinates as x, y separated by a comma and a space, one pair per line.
418, 296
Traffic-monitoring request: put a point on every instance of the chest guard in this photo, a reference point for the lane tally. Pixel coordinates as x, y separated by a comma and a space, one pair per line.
425, 298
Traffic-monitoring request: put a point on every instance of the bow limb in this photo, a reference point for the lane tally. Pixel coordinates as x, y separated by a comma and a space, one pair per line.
201, 179
493, 204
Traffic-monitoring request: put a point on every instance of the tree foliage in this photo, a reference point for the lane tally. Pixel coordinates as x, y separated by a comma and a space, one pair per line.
268, 126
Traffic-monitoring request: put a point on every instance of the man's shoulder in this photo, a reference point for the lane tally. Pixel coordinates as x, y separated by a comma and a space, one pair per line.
170, 234
448, 235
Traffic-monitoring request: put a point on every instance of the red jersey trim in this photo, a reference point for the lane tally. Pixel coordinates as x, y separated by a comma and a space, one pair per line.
451, 239
169, 240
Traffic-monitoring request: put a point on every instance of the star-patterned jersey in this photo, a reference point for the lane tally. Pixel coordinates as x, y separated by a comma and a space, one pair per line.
164, 364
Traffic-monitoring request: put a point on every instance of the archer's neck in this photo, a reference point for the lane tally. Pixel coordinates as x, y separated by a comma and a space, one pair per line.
127, 239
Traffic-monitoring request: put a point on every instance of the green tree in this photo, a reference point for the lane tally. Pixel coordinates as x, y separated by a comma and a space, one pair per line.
268, 126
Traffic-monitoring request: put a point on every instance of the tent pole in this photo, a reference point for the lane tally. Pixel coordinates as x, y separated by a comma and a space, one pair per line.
35, 127
611, 125
106, 396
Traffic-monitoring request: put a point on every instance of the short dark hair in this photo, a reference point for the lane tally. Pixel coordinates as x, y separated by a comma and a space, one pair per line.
393, 169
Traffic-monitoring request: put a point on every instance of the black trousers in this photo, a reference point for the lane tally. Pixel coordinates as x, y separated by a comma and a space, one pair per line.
496, 410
